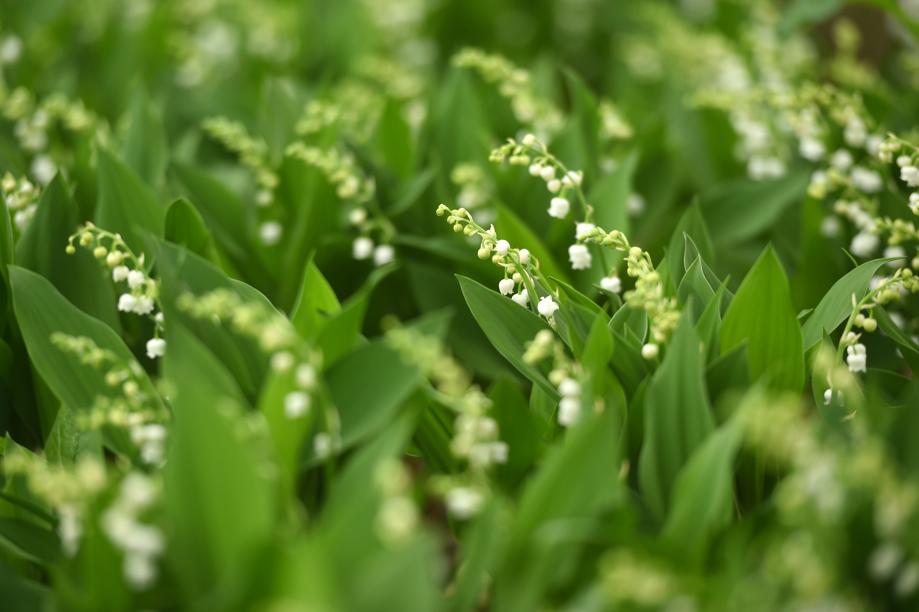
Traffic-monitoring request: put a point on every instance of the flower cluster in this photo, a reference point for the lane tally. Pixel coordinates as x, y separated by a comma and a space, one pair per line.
142, 293
560, 181
253, 154
476, 438
515, 84
649, 293
21, 199
832, 478
397, 518
35, 124
68, 489
358, 189
141, 543
884, 291
521, 269
133, 405
277, 337
564, 374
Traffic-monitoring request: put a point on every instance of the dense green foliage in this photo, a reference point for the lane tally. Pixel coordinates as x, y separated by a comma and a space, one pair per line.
459, 305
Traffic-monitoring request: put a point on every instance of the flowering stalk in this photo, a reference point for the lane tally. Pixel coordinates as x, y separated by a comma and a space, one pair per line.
142, 297
476, 438
287, 352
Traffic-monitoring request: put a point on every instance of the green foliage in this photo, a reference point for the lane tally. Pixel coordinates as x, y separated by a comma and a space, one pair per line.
486, 305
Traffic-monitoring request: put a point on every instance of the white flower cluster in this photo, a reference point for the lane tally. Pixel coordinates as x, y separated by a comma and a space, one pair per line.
397, 518
515, 84
520, 267
134, 406
564, 374
69, 489
476, 437
126, 267
560, 181
253, 154
888, 561
35, 122
288, 354
339, 168
21, 198
140, 543
883, 290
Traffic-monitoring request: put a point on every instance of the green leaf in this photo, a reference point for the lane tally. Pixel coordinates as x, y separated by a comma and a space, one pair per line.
368, 386
42, 311
186, 227
577, 480
677, 417
341, 332
691, 228
184, 272
218, 500
145, 147
225, 215
762, 316
126, 204
79, 277
836, 305
507, 326
703, 495
315, 302
741, 209
393, 139
610, 196
480, 549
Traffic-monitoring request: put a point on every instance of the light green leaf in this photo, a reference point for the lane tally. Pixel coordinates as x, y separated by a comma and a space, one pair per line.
126, 204
762, 316
42, 311
703, 500
836, 305
507, 326
741, 209
677, 417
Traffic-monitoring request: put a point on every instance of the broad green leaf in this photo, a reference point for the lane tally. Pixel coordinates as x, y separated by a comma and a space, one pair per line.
677, 417
341, 332
219, 501
762, 316
703, 495
42, 311
741, 209
182, 272
507, 325
277, 114
610, 196
369, 386
28, 541
79, 277
578, 479
185, 226
519, 428
691, 227
480, 549
315, 302
226, 217
145, 148
126, 205
21, 594
393, 139
836, 305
